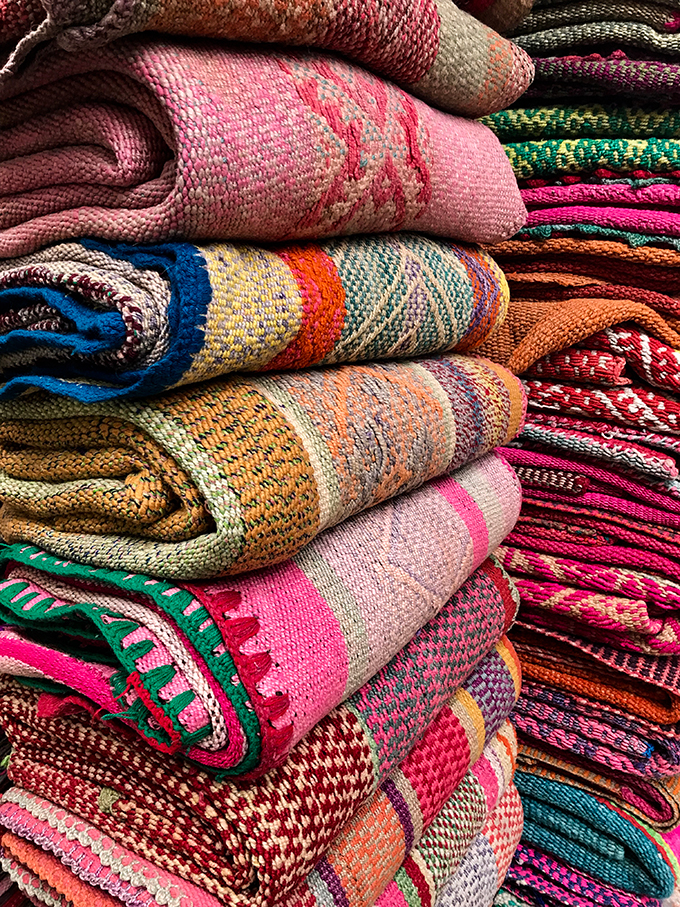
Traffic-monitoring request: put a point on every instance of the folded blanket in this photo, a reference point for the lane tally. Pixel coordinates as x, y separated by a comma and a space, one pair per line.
596, 838
434, 49
602, 734
614, 75
544, 661
553, 141
655, 801
435, 873
178, 313
632, 609
95, 144
214, 670
240, 473
138, 797
662, 17
536, 878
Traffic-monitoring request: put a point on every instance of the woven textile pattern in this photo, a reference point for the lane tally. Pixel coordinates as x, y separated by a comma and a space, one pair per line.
436, 872
209, 141
503, 15
176, 314
595, 837
233, 674
184, 821
241, 473
539, 878
407, 813
655, 801
602, 734
440, 52
615, 75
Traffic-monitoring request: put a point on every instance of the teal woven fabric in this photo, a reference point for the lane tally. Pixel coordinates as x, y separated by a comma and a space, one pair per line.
594, 838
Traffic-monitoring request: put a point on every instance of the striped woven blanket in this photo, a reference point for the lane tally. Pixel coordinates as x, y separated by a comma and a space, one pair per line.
433, 48
596, 838
93, 322
240, 473
213, 670
656, 801
96, 144
619, 48
245, 841
636, 147
435, 872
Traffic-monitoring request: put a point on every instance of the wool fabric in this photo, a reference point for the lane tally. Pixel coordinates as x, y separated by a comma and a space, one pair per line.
433, 48
233, 674
167, 140
503, 15
596, 838
95, 321
654, 800
436, 874
241, 473
115, 781
536, 877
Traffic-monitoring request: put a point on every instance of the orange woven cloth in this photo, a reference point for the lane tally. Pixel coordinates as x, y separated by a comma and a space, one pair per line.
545, 661
563, 290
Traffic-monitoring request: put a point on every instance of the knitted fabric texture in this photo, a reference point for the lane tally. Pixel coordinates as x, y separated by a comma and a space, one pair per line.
595, 837
262, 146
94, 322
655, 801
435, 872
241, 473
537, 878
433, 48
234, 674
138, 796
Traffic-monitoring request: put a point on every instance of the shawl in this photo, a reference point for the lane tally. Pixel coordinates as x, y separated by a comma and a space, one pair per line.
229, 841
432, 48
240, 473
654, 800
234, 674
96, 321
568, 295
596, 838
239, 156
552, 141
545, 662
434, 872
537, 878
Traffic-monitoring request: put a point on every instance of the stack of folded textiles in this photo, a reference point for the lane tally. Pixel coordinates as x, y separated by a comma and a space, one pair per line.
594, 331
253, 633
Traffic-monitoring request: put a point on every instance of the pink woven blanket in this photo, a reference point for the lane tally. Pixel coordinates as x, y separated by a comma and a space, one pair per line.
439, 52
147, 140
